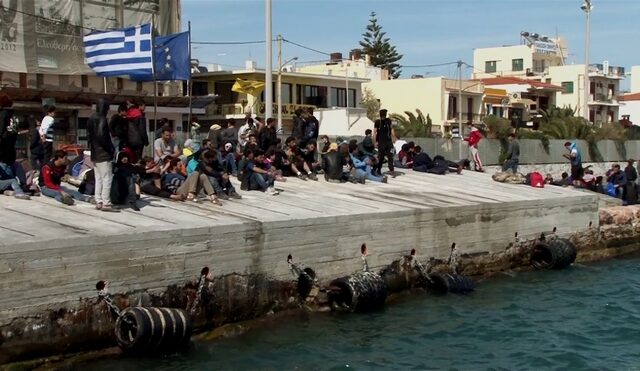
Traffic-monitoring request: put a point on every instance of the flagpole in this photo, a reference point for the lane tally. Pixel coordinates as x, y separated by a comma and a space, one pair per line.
104, 83
153, 71
189, 83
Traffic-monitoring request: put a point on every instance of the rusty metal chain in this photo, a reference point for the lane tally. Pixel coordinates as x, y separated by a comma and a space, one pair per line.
196, 301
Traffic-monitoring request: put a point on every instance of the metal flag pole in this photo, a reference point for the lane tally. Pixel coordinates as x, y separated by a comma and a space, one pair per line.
153, 71
268, 78
189, 87
104, 83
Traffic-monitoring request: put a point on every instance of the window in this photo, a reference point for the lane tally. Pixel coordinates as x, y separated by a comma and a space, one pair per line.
224, 92
119, 84
490, 66
312, 95
23, 80
517, 64
568, 87
339, 97
39, 80
84, 81
452, 111
199, 88
138, 85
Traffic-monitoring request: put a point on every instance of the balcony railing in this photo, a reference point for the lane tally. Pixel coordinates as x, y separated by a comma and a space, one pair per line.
601, 98
613, 71
238, 109
466, 117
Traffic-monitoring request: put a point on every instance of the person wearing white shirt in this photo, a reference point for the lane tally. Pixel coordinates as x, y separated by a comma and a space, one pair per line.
46, 133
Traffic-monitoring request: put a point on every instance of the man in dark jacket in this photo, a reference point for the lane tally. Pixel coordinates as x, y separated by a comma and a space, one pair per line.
118, 128
137, 137
299, 126
102, 153
268, 137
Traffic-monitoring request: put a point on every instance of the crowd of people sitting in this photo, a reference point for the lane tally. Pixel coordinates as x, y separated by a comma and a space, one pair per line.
118, 172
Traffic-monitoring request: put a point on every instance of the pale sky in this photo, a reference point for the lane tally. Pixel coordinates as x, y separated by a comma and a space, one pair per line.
424, 31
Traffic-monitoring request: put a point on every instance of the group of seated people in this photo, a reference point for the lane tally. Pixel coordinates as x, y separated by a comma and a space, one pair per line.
615, 182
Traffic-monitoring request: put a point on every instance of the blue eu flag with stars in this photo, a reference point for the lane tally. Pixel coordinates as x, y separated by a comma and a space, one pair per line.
171, 57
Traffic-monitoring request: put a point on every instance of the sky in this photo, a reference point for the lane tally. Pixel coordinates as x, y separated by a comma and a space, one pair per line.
424, 31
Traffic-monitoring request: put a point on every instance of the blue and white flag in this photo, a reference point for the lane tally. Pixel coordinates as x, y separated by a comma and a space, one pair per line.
125, 51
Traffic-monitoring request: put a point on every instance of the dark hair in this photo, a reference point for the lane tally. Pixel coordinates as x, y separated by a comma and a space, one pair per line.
417, 149
50, 109
248, 151
174, 162
167, 128
353, 147
411, 144
567, 144
564, 175
250, 120
405, 147
59, 154
368, 131
209, 155
290, 139
271, 151
298, 112
5, 100
324, 136
205, 142
353, 141
252, 135
122, 107
312, 142
383, 112
231, 122
259, 119
616, 166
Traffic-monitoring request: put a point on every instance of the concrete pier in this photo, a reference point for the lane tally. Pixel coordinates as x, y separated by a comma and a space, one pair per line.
51, 255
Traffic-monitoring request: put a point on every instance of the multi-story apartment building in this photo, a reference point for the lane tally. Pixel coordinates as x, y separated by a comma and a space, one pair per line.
357, 66
531, 58
435, 96
604, 88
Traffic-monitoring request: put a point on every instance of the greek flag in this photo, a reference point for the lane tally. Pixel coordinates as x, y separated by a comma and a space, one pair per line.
125, 51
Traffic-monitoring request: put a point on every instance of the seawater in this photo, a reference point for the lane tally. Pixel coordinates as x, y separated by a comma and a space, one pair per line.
586, 317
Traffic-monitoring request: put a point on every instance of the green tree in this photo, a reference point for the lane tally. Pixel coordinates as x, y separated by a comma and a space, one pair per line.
412, 126
371, 103
379, 48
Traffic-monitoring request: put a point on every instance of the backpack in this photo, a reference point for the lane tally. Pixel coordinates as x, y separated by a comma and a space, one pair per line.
536, 180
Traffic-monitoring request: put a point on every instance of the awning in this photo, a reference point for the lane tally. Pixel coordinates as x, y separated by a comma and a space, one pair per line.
523, 101
494, 96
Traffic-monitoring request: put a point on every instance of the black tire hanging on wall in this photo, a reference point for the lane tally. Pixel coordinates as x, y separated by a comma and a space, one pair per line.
142, 330
557, 253
360, 292
444, 283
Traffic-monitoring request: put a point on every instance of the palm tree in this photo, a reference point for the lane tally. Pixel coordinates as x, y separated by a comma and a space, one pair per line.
412, 126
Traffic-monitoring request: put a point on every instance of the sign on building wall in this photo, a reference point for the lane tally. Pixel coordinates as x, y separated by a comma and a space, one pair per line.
545, 47
45, 36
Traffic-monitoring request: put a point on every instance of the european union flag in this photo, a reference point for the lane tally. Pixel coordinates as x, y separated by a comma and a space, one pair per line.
171, 57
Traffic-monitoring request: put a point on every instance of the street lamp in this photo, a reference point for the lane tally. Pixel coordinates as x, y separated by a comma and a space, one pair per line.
279, 86
586, 8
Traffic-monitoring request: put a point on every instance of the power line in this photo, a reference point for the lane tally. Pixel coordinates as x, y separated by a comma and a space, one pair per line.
430, 65
305, 47
228, 42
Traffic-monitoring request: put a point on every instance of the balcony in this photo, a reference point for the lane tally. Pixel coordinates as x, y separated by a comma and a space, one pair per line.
237, 109
466, 117
602, 99
609, 71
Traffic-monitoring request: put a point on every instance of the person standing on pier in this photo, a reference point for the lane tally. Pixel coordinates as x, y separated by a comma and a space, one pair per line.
575, 159
513, 154
102, 154
473, 140
46, 132
384, 135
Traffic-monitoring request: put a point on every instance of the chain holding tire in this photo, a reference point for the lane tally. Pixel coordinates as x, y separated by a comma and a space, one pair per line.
103, 293
196, 302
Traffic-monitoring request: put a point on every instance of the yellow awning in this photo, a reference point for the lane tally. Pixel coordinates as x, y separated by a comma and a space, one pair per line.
248, 87
498, 93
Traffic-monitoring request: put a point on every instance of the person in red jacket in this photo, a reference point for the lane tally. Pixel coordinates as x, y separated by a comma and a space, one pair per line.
51, 178
473, 140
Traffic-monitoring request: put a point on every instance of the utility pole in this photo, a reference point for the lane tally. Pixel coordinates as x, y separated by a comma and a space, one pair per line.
279, 84
268, 71
460, 109
587, 8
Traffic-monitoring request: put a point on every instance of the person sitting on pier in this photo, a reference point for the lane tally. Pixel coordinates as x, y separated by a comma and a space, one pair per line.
252, 177
172, 179
165, 146
296, 160
267, 136
193, 185
310, 156
363, 165
405, 156
209, 165
124, 188
51, 181
151, 179
227, 157
616, 180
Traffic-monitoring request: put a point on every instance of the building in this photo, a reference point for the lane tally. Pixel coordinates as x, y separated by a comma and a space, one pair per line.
630, 108
435, 96
340, 95
604, 88
43, 62
518, 99
635, 79
530, 59
356, 66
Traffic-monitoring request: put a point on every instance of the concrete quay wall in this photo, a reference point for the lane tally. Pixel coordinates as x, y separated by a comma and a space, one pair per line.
47, 280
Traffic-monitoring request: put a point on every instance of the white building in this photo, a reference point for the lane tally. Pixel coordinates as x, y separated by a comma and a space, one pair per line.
531, 59
357, 66
635, 79
604, 88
